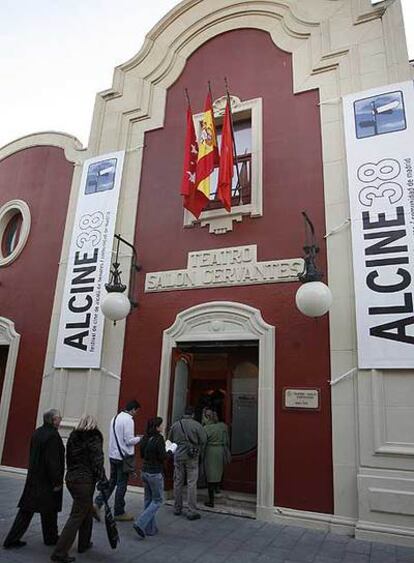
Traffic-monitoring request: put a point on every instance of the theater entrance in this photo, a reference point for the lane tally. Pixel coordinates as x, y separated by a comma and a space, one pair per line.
222, 376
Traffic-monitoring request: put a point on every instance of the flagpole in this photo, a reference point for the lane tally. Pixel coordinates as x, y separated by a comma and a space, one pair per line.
187, 97
234, 143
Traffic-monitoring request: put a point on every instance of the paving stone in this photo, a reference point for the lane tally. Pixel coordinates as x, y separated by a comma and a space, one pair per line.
277, 553
338, 538
405, 554
356, 558
384, 547
216, 538
303, 554
358, 546
383, 557
243, 557
327, 559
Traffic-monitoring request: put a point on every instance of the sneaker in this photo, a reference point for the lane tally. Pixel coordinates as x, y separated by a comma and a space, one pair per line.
177, 512
14, 544
193, 516
63, 558
125, 517
96, 512
139, 531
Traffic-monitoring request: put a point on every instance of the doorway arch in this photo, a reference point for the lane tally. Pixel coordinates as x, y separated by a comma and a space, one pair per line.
10, 338
230, 321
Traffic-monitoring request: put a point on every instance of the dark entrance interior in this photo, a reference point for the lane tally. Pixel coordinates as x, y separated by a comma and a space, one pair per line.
4, 352
222, 376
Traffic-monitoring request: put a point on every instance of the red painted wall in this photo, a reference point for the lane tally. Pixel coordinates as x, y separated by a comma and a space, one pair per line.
41, 176
293, 181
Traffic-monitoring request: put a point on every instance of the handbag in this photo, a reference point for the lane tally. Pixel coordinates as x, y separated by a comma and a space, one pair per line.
192, 450
226, 455
226, 449
128, 461
110, 524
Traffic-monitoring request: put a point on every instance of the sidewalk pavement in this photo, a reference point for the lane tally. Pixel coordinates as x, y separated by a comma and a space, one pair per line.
212, 539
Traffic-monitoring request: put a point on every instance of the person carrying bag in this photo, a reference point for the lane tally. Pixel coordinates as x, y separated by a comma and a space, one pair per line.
128, 461
190, 438
122, 442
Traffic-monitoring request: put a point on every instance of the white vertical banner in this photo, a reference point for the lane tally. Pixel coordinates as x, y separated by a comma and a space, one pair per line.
80, 332
379, 132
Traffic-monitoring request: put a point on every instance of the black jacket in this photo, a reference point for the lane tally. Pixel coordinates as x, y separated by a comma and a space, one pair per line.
153, 453
84, 457
45, 471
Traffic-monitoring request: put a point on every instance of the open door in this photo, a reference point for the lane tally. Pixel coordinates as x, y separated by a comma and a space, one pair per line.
223, 377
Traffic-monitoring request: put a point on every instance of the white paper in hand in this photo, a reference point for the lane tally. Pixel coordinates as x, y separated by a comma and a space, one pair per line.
170, 446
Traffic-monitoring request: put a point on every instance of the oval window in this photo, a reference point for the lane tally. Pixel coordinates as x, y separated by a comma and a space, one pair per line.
14, 230
11, 234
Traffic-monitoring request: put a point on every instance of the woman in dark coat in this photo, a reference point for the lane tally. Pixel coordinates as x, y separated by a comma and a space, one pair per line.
152, 474
85, 467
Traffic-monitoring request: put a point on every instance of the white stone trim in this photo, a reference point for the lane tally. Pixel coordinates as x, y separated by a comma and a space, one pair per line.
220, 221
227, 321
370, 531
7, 211
379, 421
313, 520
71, 145
8, 337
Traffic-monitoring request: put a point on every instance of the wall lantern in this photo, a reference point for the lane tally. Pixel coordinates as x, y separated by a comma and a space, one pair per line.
116, 305
314, 297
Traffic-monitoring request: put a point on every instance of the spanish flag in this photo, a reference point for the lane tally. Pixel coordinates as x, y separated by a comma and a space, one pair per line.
208, 155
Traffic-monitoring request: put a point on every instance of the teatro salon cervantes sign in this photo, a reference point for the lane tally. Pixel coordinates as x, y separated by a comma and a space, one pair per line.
224, 267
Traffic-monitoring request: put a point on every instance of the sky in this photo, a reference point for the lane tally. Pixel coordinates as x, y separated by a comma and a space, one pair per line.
58, 54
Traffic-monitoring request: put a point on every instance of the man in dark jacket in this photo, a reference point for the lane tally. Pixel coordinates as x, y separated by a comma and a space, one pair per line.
190, 438
44, 483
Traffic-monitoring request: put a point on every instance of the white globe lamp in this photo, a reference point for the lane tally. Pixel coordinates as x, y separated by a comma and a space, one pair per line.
115, 306
314, 299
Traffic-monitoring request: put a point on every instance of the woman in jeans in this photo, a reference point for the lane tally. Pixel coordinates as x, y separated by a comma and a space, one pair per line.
153, 453
85, 467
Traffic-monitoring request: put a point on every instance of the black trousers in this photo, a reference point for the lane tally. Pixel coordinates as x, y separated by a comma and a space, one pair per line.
22, 522
80, 519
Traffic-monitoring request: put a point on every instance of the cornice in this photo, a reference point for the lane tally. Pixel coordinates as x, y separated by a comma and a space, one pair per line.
73, 148
168, 45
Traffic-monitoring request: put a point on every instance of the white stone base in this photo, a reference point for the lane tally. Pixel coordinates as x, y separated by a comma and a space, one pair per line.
368, 531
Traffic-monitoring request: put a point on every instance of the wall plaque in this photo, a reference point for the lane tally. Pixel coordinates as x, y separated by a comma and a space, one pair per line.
301, 399
224, 267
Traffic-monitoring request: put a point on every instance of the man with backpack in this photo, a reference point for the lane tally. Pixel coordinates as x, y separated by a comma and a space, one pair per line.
190, 438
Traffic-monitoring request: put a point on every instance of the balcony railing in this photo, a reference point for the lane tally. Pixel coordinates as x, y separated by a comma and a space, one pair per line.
239, 194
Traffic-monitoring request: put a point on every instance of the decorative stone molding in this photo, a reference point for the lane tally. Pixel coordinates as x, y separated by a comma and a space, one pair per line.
8, 337
232, 321
219, 105
71, 145
380, 420
7, 212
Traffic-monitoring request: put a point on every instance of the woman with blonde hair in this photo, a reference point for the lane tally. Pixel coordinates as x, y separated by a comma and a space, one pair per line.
85, 467
215, 452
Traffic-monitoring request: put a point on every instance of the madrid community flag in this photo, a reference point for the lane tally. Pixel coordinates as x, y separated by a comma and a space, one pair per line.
208, 156
226, 168
193, 200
